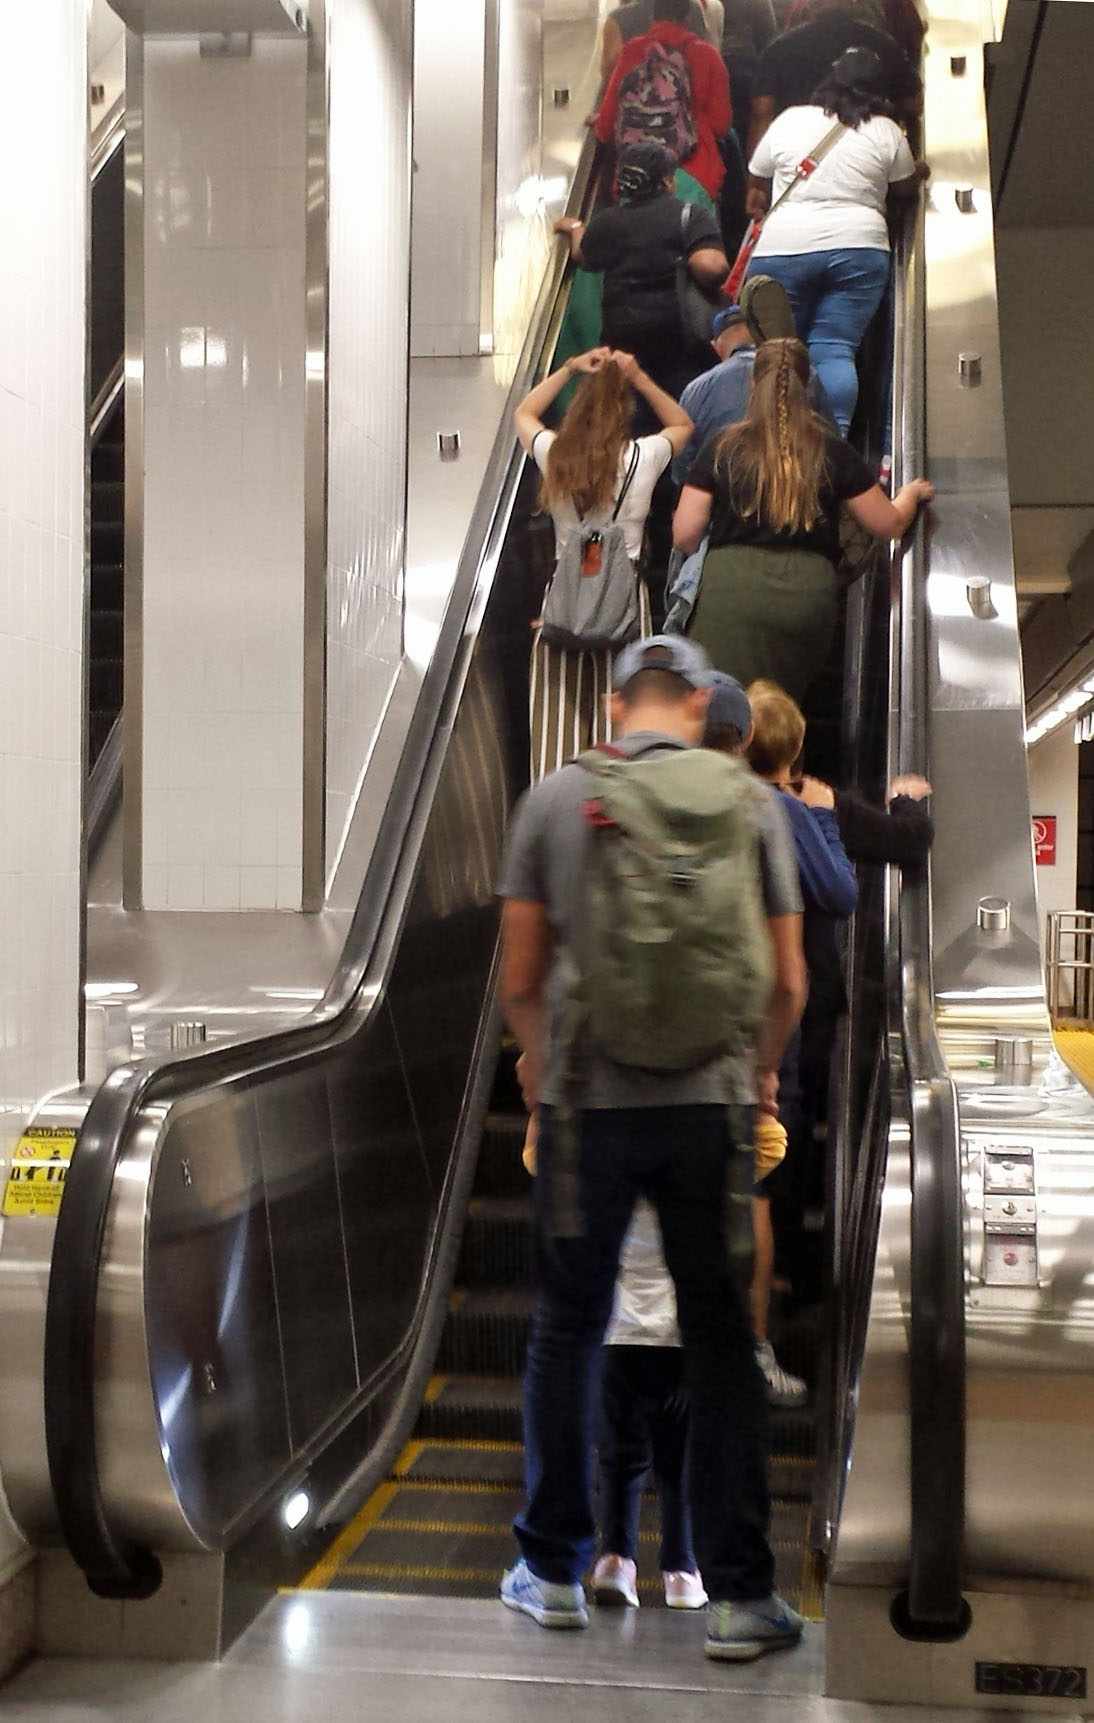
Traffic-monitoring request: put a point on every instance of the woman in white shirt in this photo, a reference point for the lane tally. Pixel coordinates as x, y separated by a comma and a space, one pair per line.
828, 241
585, 465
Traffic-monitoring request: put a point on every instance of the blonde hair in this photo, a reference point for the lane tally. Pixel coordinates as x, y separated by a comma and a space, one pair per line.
778, 729
583, 460
773, 458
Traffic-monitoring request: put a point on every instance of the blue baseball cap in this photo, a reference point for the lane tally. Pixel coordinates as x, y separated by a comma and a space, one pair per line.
729, 704
725, 319
672, 652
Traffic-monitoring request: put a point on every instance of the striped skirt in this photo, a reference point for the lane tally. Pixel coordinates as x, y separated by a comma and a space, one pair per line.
568, 698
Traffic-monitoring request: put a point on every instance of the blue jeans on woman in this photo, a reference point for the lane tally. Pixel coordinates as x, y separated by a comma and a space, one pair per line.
833, 295
688, 1161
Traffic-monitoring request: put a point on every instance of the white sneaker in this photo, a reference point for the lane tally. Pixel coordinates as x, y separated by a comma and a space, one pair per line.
614, 1582
783, 1389
684, 1591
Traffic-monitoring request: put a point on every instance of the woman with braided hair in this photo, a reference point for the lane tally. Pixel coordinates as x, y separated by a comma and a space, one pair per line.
768, 492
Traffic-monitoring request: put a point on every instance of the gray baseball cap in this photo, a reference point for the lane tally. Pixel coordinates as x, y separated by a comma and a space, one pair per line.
671, 652
729, 704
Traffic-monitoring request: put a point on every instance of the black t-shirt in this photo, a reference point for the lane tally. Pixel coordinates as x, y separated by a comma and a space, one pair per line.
638, 247
794, 64
845, 475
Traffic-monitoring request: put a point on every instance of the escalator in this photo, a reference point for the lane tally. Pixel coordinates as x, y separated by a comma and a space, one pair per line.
251, 1349
106, 441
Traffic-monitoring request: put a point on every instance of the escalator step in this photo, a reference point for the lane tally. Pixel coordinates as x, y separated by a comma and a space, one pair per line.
105, 685
107, 541
107, 584
108, 462
486, 1333
483, 1408
107, 635
497, 1243
107, 500
501, 1172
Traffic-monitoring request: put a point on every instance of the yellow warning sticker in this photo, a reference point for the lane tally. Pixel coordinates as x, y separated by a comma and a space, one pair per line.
36, 1177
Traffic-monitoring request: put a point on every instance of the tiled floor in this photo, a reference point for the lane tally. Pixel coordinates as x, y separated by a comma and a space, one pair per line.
341, 1658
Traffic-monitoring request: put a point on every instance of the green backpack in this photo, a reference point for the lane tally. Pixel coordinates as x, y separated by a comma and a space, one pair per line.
672, 966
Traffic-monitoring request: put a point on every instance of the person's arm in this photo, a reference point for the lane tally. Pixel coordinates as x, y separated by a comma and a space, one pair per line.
900, 838
675, 421
611, 46
784, 1007
574, 229
757, 197
760, 117
890, 518
827, 877
692, 518
528, 417
911, 184
719, 105
709, 266
526, 941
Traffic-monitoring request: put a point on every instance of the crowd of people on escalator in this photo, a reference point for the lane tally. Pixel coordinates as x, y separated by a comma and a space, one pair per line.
675, 885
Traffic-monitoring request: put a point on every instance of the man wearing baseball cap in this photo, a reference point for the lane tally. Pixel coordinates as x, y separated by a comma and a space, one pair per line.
614, 1131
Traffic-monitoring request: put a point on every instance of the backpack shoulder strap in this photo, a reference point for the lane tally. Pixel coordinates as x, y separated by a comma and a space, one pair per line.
631, 470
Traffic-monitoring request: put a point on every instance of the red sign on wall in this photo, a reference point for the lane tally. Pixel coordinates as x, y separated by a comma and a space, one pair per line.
1044, 839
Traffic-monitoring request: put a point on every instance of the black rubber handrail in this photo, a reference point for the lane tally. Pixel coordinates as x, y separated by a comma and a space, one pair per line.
933, 1606
114, 1564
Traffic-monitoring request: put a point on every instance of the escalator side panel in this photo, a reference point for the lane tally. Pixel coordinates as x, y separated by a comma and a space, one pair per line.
210, 1301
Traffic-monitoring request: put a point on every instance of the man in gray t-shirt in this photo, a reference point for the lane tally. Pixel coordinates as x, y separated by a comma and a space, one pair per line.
682, 1139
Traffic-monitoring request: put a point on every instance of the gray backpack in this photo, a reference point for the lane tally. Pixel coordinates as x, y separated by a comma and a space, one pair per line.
592, 601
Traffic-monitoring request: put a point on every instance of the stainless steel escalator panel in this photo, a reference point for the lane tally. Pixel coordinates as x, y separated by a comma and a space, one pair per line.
1030, 1363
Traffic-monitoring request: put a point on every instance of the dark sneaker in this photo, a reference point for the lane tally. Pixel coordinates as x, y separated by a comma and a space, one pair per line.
737, 1632
766, 306
550, 1604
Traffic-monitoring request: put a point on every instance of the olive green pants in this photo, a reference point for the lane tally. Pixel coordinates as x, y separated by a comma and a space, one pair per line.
767, 613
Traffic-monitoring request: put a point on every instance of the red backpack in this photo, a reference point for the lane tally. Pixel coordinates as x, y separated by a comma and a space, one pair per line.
653, 104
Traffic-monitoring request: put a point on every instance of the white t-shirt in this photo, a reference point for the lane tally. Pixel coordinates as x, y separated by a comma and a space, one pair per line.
840, 206
654, 455
644, 1312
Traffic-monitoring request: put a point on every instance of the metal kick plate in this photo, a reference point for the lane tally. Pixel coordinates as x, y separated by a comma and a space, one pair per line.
1004, 1171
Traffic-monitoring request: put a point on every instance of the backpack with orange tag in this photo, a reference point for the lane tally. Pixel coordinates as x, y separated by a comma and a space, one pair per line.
592, 601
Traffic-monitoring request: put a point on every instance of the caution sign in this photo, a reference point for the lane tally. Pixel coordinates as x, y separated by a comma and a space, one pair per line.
39, 1167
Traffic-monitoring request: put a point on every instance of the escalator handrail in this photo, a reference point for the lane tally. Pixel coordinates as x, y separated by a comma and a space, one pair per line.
113, 1563
934, 1603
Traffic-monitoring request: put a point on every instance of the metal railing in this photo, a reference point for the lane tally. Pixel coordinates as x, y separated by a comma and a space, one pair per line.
1069, 965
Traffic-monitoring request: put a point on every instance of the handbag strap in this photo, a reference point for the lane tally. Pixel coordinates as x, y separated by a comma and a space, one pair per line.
807, 166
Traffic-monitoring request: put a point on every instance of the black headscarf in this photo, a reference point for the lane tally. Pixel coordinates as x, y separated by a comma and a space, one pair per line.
642, 171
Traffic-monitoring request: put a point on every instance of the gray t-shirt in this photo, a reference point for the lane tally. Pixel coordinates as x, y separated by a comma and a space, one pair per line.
544, 863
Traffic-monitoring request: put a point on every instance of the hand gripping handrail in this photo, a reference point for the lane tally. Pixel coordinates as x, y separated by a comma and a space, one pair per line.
114, 1564
933, 1606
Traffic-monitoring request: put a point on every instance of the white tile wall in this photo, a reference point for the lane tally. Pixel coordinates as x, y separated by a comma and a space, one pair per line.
523, 226
369, 168
224, 318
446, 242
43, 142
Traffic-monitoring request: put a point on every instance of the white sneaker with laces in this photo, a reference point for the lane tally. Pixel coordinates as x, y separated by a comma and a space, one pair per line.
547, 1602
684, 1590
737, 1632
783, 1389
615, 1582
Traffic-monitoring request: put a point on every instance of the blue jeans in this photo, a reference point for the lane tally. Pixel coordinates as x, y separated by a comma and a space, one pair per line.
686, 1161
833, 295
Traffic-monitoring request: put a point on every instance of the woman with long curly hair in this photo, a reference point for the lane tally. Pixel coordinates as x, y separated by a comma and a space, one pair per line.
590, 465
768, 492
